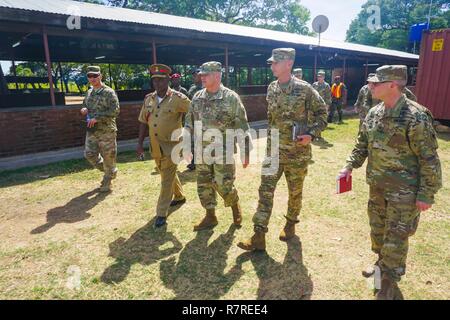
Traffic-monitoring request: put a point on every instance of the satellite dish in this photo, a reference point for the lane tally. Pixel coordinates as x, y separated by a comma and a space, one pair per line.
320, 24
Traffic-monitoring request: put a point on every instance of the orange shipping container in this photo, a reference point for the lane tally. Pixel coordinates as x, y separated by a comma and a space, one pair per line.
433, 77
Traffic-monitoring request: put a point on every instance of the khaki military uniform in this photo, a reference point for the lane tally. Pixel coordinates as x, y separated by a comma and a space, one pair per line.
101, 145
220, 111
301, 103
403, 166
162, 119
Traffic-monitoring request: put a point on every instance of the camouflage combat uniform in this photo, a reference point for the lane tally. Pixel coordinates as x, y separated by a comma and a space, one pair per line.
324, 91
298, 73
365, 102
286, 105
222, 110
101, 146
181, 89
193, 90
403, 166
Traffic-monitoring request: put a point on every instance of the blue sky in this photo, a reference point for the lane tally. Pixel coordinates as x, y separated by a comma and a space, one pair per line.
340, 13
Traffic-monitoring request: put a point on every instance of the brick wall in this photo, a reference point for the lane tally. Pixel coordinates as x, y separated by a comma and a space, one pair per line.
256, 106
31, 130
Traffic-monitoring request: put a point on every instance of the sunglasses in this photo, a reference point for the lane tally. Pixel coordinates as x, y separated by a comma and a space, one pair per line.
93, 76
376, 84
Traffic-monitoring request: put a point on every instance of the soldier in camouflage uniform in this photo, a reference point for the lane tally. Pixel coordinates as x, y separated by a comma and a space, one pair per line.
324, 90
365, 101
162, 112
216, 108
101, 107
298, 73
197, 85
403, 171
290, 101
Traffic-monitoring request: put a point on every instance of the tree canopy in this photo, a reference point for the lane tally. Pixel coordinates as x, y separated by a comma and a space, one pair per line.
397, 16
288, 15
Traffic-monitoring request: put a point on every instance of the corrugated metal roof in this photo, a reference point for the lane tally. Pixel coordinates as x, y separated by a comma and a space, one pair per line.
89, 10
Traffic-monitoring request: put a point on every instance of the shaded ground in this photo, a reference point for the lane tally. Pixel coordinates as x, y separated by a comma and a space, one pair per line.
54, 226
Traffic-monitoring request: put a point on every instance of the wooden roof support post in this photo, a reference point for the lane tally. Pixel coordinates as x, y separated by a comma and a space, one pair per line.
344, 70
3, 84
315, 67
226, 66
49, 67
154, 51
15, 74
367, 68
110, 76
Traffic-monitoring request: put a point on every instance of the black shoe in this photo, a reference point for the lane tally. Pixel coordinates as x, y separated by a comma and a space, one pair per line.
177, 202
191, 167
160, 221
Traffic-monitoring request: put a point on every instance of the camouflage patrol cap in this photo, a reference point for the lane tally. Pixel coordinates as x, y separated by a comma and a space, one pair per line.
371, 75
93, 70
160, 71
281, 54
390, 73
321, 74
211, 66
297, 71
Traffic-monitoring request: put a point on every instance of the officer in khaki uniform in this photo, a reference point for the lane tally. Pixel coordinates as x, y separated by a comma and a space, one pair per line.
163, 111
403, 171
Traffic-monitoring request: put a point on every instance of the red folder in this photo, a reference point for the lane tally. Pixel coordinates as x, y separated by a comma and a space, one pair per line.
342, 185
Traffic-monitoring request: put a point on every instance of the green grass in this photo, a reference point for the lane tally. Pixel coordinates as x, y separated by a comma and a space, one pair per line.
52, 220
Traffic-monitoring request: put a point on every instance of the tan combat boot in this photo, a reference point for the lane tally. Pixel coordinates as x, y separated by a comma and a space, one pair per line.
288, 231
106, 184
99, 166
370, 271
114, 173
387, 288
209, 221
237, 214
256, 242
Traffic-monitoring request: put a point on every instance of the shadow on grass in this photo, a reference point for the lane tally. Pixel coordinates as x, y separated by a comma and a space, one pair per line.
143, 247
443, 136
323, 144
74, 211
281, 281
31, 174
199, 273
